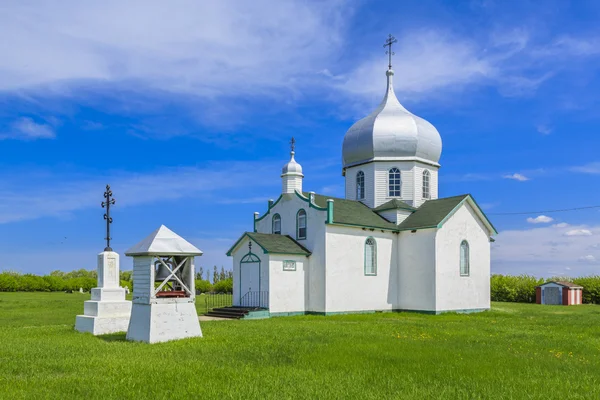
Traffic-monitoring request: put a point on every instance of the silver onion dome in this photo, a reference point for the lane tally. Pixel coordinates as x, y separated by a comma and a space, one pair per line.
391, 132
292, 167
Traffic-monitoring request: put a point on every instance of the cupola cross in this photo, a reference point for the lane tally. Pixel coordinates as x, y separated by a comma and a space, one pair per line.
293, 144
388, 43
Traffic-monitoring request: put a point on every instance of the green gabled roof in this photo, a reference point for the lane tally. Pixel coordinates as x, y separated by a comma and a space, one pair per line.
352, 212
273, 244
394, 204
433, 213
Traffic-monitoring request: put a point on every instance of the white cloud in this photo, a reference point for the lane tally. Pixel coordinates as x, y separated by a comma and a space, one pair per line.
590, 168
560, 225
543, 251
542, 219
588, 259
27, 129
579, 232
60, 193
544, 129
204, 48
516, 177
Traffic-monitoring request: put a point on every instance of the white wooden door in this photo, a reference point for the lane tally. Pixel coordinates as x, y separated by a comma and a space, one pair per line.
552, 295
250, 283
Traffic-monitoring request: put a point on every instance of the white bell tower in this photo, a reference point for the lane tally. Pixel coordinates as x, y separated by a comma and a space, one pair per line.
163, 288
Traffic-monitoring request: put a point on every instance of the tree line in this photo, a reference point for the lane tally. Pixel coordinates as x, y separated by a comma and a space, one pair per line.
59, 281
521, 288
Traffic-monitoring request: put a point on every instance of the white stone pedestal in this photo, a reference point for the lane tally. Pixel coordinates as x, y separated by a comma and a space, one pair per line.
107, 311
171, 319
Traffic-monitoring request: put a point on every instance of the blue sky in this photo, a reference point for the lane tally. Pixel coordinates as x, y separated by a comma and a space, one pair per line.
186, 109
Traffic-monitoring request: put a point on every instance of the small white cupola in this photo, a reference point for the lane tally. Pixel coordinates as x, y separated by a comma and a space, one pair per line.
291, 173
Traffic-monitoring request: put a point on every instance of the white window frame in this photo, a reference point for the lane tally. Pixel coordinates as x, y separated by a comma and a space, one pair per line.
396, 181
360, 185
426, 184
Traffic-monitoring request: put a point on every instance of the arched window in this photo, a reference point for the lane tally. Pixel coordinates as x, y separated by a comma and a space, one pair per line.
464, 259
370, 257
360, 185
301, 225
426, 180
395, 183
277, 224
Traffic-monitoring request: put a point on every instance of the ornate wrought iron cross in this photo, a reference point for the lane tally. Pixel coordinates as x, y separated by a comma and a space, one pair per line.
293, 144
109, 201
388, 43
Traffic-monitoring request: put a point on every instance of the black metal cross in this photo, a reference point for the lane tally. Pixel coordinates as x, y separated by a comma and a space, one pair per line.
388, 43
109, 201
293, 144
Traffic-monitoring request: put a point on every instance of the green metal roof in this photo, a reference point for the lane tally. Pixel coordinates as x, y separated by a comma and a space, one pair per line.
433, 213
394, 204
273, 244
355, 213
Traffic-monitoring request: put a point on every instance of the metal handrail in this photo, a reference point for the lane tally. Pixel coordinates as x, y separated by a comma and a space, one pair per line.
255, 299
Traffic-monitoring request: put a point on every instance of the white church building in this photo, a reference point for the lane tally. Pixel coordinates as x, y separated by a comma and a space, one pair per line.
390, 245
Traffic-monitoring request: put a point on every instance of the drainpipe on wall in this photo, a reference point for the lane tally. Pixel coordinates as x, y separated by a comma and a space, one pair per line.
329, 211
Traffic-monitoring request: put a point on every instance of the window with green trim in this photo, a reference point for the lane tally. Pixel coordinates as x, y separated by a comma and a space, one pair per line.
465, 267
301, 225
370, 257
289, 265
276, 224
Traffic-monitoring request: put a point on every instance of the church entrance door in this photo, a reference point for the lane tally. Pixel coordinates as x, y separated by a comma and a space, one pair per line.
250, 285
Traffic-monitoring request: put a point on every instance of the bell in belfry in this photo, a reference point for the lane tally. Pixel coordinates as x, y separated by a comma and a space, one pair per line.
162, 272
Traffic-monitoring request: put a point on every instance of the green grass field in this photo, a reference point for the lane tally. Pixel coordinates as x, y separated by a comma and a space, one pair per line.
514, 351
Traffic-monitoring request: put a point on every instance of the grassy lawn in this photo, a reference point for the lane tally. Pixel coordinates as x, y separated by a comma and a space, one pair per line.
514, 351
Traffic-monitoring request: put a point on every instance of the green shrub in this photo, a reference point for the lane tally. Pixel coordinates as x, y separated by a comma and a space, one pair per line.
224, 286
203, 286
9, 282
128, 284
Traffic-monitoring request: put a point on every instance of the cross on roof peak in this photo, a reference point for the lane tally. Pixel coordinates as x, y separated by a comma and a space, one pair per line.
293, 144
388, 43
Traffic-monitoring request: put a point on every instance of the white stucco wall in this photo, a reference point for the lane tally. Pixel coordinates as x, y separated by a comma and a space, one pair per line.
287, 208
288, 292
456, 292
348, 288
416, 278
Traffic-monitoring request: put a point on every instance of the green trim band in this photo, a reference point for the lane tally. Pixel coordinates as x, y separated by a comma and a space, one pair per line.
310, 204
268, 210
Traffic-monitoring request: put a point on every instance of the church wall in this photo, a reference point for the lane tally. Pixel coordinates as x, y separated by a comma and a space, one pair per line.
237, 255
287, 208
416, 253
456, 292
368, 169
381, 181
288, 292
347, 287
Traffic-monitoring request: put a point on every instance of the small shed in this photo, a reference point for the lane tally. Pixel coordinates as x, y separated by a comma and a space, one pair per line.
559, 293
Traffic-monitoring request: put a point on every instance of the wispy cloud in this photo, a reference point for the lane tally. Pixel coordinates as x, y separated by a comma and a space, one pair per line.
541, 219
516, 177
588, 259
27, 129
56, 194
579, 232
543, 129
590, 168
543, 251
